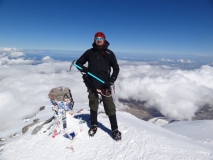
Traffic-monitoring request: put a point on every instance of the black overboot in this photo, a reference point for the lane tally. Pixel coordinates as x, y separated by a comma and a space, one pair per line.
116, 134
94, 122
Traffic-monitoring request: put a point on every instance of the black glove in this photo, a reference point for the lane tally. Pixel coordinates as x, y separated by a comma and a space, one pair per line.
107, 84
84, 69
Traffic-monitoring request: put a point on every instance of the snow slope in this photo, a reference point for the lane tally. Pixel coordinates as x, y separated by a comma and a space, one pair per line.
140, 140
200, 130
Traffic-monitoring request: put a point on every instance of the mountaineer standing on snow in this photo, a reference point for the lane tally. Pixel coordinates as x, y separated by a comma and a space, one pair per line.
100, 61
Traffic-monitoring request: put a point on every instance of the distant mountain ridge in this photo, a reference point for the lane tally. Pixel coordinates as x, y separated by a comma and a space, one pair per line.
138, 109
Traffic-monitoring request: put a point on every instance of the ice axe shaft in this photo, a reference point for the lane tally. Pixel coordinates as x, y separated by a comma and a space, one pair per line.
90, 74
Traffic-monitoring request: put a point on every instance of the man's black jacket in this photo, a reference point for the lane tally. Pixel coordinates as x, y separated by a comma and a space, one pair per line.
100, 62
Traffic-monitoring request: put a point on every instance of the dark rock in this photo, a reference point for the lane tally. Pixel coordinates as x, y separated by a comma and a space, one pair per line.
138, 109
13, 135
36, 120
42, 108
80, 111
25, 129
205, 113
2, 139
38, 128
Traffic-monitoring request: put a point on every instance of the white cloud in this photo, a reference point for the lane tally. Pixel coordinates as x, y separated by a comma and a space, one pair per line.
12, 52
175, 93
7, 61
185, 61
166, 60
16, 54
10, 56
7, 49
47, 59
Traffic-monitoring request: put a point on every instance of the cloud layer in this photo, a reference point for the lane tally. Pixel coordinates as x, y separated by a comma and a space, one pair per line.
24, 87
175, 93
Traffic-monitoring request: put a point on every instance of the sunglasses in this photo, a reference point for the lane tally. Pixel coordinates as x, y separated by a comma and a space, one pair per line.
99, 39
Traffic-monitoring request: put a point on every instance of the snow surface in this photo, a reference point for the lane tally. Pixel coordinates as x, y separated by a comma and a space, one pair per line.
193, 129
140, 140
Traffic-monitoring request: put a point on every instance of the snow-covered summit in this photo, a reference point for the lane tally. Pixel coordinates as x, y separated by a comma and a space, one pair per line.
140, 140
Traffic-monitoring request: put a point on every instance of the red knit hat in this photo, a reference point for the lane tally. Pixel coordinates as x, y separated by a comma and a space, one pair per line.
100, 34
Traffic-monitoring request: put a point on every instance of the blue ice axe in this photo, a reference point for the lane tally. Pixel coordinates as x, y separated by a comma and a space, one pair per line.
90, 74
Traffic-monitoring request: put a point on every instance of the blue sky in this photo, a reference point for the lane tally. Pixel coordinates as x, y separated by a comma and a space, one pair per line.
142, 26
